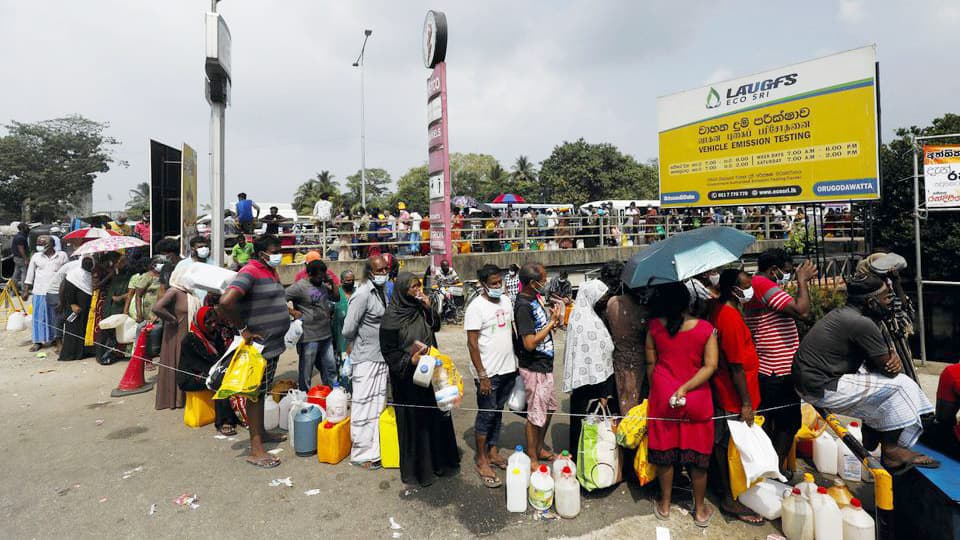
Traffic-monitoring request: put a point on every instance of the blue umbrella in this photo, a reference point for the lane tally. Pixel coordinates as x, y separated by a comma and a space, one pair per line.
685, 255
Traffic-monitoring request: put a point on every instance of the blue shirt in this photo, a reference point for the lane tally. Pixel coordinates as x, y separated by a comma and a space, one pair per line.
245, 211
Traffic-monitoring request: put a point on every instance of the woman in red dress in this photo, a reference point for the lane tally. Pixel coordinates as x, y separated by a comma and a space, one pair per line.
681, 358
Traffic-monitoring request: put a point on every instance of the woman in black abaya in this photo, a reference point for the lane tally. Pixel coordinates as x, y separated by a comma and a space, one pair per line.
428, 445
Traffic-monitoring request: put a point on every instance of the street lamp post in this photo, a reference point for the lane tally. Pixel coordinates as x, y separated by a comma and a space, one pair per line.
363, 130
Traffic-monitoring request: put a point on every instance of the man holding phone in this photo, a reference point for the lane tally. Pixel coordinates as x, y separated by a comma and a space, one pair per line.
535, 324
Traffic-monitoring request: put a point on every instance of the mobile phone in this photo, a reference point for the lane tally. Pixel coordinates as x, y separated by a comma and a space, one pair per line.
72, 317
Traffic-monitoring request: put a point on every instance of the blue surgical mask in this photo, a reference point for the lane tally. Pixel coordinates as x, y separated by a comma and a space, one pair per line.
203, 253
275, 260
379, 280
495, 293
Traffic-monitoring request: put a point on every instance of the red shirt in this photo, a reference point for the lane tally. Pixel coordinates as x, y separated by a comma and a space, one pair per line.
949, 389
774, 332
736, 347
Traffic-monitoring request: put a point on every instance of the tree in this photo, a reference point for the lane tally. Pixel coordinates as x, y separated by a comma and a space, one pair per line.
939, 232
523, 178
577, 172
308, 193
471, 176
139, 199
53, 163
378, 181
412, 189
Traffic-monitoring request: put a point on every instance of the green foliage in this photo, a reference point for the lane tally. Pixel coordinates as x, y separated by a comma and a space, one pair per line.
52, 163
308, 193
471, 176
577, 172
378, 183
940, 232
523, 180
412, 189
139, 200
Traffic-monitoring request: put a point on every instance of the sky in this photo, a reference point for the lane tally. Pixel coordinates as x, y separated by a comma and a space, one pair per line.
522, 76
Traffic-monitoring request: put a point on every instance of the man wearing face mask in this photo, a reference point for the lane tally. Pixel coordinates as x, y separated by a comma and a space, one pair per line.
255, 302
361, 330
199, 253
311, 299
347, 288
44, 264
771, 316
847, 367
489, 325
560, 288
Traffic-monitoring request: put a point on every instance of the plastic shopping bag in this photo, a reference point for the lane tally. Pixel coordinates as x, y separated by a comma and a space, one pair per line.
294, 333
598, 465
633, 428
453, 375
750, 456
244, 374
517, 402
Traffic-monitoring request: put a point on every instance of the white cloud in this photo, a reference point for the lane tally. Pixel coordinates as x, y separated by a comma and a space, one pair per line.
850, 11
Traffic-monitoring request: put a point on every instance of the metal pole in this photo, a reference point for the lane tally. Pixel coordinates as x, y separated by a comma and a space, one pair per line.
916, 242
217, 161
363, 139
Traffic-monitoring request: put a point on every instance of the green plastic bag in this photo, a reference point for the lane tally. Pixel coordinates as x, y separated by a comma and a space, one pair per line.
598, 463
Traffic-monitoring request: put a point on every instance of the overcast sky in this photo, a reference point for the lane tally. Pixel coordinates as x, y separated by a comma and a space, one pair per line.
523, 76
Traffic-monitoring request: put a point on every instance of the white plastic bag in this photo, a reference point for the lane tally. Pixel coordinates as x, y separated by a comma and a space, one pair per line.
517, 402
346, 369
756, 452
598, 463
113, 321
293, 334
16, 321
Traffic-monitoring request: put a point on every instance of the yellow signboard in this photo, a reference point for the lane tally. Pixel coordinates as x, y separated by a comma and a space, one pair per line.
802, 133
188, 197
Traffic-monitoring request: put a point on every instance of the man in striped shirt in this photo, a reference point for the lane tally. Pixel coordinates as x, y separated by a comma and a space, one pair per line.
255, 302
771, 315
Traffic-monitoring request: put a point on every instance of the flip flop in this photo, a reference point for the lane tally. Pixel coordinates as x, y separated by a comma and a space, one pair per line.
705, 523
656, 512
367, 465
931, 464
229, 431
491, 482
265, 462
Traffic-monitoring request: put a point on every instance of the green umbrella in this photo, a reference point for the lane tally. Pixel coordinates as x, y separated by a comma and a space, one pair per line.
685, 255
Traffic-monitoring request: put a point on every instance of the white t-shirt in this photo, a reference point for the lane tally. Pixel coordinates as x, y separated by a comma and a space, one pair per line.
495, 323
322, 209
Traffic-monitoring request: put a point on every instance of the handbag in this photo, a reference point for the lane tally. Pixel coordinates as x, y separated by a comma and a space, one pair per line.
598, 465
154, 339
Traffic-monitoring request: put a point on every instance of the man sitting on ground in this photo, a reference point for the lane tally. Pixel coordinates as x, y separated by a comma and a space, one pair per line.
845, 366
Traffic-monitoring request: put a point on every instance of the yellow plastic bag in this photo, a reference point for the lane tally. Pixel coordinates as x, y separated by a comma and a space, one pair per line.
244, 374
738, 478
633, 428
645, 470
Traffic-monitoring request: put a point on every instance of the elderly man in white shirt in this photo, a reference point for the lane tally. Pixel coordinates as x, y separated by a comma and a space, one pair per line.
44, 265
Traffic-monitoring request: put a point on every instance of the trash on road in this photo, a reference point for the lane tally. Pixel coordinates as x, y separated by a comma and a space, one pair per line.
394, 525
397, 534
99, 421
311, 492
153, 509
131, 472
188, 499
281, 482
103, 499
663, 533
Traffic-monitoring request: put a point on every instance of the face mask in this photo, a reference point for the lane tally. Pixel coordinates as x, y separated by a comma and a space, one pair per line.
379, 280
785, 279
495, 293
348, 287
158, 267
203, 253
275, 259
541, 289
714, 279
41, 249
747, 295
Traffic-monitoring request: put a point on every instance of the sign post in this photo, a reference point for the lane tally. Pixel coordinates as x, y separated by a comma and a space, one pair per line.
438, 147
805, 133
188, 197
218, 95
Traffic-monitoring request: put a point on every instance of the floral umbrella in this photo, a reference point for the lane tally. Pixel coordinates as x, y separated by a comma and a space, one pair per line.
508, 198
109, 243
90, 233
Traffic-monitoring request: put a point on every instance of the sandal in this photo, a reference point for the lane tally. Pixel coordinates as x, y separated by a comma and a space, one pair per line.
491, 482
266, 462
705, 523
227, 430
367, 465
500, 464
656, 512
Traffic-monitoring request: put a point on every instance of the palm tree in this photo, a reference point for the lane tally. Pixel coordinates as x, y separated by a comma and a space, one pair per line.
309, 192
524, 177
139, 199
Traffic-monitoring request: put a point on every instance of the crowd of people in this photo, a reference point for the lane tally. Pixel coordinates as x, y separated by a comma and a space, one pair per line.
720, 346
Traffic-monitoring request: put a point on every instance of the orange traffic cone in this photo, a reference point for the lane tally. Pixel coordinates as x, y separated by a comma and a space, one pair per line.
133, 381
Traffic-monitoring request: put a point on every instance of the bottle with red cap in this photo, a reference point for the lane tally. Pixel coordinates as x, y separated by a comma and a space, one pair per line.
540, 492
857, 523
568, 494
797, 516
827, 520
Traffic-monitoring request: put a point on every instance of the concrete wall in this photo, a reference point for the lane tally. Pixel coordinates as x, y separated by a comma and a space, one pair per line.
468, 264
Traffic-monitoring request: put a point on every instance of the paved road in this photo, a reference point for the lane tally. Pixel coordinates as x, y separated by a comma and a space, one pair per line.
68, 444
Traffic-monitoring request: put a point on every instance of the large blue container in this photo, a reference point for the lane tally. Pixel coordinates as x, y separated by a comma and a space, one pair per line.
305, 430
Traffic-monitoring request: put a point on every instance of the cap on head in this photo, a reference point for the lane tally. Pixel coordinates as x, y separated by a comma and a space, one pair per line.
311, 256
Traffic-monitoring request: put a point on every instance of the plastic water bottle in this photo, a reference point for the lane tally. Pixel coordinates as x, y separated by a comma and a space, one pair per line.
857, 523
446, 394
517, 489
540, 493
567, 494
337, 408
563, 461
827, 520
797, 516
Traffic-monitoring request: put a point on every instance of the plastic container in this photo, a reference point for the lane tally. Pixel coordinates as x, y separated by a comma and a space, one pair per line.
126, 332
827, 520
825, 453
287, 403
304, 432
840, 493
446, 393
209, 278
540, 493
389, 439
857, 523
198, 410
797, 516
563, 461
520, 460
765, 498
848, 465
517, 402
16, 321
333, 441
318, 394
271, 414
338, 406
295, 409
808, 487
567, 494
423, 376
516, 489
